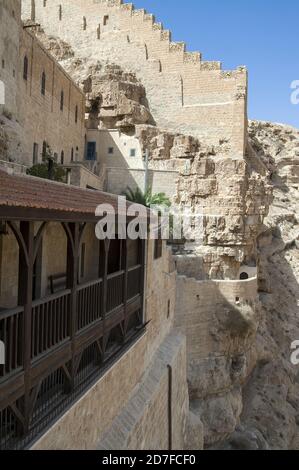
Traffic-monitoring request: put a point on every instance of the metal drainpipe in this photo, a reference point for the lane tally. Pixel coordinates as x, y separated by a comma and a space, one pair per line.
169, 367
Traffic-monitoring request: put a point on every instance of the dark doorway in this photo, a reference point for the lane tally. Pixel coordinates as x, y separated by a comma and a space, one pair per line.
244, 276
91, 151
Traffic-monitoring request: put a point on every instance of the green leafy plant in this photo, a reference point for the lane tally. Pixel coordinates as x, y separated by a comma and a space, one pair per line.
147, 199
41, 170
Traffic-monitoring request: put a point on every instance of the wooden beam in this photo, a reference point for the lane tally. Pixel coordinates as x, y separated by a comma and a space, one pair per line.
25, 298
104, 297
72, 283
125, 243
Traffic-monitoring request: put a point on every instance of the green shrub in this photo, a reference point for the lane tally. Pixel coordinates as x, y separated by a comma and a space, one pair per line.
41, 170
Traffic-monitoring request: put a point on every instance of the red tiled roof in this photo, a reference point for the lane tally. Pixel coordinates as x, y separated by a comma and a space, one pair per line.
29, 197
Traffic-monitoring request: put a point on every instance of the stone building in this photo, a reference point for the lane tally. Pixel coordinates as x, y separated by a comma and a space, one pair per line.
198, 97
80, 319
98, 336
49, 101
102, 83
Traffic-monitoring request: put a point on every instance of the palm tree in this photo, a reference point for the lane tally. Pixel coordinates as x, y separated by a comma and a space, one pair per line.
147, 199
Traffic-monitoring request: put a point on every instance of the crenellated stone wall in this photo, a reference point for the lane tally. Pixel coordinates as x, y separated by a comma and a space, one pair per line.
198, 97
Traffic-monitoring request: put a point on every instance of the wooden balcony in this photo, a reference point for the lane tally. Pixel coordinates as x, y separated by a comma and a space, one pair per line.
52, 346
58, 345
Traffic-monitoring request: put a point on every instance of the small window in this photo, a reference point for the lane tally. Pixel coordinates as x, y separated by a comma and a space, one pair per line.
84, 23
44, 152
168, 309
35, 153
106, 19
3, 63
43, 84
72, 155
111, 150
45, 3
14, 73
158, 248
60, 12
76, 114
61, 101
62, 158
133, 153
25, 68
99, 32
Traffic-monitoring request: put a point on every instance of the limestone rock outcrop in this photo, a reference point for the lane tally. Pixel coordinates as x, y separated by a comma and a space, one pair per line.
270, 398
60, 49
116, 98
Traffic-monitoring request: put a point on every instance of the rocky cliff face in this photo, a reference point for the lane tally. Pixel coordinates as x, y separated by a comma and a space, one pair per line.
270, 416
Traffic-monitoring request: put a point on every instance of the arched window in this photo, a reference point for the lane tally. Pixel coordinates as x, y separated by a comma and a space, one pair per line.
43, 84
61, 101
60, 12
25, 68
76, 114
72, 154
62, 158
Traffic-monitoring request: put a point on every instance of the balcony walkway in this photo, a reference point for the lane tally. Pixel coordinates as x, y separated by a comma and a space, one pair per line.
56, 347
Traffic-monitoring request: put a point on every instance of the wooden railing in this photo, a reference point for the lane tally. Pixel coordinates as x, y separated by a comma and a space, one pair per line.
51, 316
89, 303
134, 281
65, 345
50, 322
115, 290
11, 335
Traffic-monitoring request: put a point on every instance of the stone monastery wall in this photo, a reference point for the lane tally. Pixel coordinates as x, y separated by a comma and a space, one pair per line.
41, 115
33, 116
185, 94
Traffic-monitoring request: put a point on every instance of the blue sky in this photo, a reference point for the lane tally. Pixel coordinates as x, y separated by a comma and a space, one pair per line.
261, 34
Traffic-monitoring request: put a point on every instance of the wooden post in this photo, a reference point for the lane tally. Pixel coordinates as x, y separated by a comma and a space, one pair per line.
106, 244
126, 286
25, 299
143, 277
72, 283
